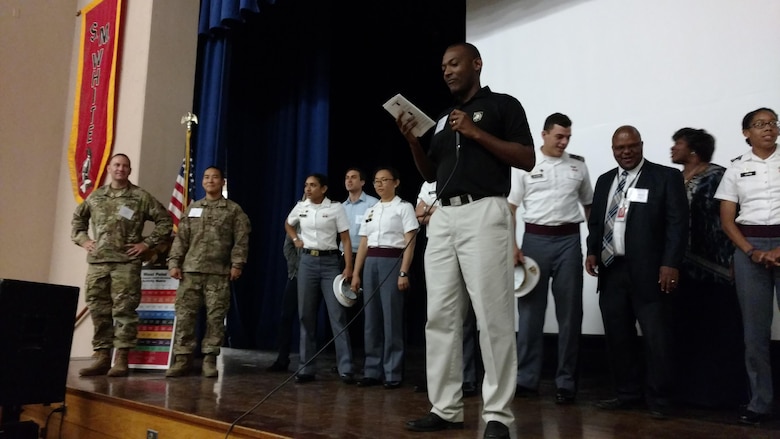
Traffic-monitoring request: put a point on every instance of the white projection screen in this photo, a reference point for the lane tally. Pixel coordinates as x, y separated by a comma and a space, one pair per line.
658, 65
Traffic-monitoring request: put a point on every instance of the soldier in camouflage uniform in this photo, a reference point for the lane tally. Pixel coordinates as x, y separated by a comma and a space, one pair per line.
118, 212
208, 252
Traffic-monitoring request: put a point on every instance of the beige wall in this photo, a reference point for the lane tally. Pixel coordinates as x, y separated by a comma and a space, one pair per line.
39, 51
35, 49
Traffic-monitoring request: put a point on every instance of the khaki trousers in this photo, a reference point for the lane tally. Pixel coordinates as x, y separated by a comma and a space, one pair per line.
469, 257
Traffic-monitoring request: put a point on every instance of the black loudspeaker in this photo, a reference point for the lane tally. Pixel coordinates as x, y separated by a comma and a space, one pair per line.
36, 332
19, 430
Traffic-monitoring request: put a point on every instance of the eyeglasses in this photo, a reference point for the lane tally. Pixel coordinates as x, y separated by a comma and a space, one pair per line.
761, 124
382, 181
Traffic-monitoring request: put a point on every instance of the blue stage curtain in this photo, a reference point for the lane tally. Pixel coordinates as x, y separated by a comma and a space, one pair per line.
217, 19
217, 14
208, 146
262, 100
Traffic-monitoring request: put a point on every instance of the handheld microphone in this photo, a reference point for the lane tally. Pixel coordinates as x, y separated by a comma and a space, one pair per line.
457, 146
457, 133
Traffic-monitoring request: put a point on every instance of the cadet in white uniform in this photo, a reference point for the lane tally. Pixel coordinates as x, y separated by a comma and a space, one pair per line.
321, 221
750, 215
386, 235
551, 195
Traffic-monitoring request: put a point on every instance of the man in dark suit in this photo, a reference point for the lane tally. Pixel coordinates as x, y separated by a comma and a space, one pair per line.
638, 231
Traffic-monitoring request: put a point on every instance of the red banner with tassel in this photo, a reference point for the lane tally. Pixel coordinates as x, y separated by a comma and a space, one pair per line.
92, 132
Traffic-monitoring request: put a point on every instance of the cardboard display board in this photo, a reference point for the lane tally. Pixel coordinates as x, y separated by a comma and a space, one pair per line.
158, 321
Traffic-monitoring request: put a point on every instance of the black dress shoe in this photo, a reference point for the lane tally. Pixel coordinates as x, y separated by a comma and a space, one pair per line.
564, 396
304, 378
348, 379
390, 385
368, 382
750, 417
469, 389
432, 422
278, 366
496, 430
525, 392
617, 404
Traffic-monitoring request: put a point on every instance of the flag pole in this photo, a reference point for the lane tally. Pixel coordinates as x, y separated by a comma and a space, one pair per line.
188, 119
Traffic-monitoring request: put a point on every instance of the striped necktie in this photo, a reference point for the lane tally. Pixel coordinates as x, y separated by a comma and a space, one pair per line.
608, 251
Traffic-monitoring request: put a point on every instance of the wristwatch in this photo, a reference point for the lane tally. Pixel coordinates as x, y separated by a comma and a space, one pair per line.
403, 274
750, 252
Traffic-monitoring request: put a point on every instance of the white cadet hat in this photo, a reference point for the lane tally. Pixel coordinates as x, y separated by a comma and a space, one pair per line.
526, 277
342, 291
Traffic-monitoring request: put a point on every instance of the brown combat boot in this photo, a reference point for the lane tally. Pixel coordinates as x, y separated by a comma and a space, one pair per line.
181, 366
120, 368
100, 366
210, 366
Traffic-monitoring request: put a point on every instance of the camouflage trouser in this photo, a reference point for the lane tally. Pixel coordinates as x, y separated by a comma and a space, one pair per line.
113, 292
196, 290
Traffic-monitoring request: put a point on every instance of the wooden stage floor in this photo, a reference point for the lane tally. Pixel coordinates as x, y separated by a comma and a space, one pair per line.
328, 408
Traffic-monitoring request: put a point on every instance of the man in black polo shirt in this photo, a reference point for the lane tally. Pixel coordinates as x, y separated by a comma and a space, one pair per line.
470, 253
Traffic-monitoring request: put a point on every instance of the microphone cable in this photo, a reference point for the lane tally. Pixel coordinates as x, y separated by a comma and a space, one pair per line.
326, 345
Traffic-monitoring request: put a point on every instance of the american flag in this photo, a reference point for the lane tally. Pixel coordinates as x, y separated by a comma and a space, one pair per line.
180, 198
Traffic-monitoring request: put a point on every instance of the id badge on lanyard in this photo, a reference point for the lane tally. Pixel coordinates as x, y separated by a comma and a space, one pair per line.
625, 202
622, 212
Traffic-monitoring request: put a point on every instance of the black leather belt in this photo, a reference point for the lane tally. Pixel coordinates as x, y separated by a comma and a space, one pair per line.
309, 251
459, 200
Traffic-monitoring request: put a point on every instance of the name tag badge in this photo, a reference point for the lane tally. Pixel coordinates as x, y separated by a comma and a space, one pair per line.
196, 212
126, 212
747, 174
637, 195
441, 123
539, 176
